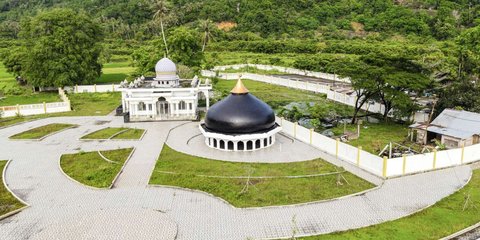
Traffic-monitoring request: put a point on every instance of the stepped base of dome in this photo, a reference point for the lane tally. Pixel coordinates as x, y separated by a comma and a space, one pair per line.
240, 142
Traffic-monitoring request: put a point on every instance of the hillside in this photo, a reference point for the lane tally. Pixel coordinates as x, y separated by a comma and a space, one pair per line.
440, 19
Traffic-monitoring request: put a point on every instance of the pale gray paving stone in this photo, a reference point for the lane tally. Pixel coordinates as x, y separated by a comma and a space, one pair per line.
35, 173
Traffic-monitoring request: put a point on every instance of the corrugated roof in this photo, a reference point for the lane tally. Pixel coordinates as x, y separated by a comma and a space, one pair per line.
455, 123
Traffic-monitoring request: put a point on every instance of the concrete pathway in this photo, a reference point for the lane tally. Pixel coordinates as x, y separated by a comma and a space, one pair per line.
62, 209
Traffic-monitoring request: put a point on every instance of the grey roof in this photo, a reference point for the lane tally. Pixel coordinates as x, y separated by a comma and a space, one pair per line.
455, 123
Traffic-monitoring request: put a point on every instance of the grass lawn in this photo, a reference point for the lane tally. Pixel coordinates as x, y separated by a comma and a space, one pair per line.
91, 169
8, 202
375, 136
115, 72
33, 98
261, 192
83, 104
442, 219
39, 132
277, 96
106, 133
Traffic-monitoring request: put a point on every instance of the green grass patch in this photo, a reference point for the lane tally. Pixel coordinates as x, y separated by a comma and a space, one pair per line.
91, 169
442, 219
83, 104
42, 131
93, 104
375, 136
115, 72
124, 133
277, 96
34, 98
8, 202
261, 192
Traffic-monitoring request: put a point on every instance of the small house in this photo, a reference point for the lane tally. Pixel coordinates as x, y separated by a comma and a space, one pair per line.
453, 128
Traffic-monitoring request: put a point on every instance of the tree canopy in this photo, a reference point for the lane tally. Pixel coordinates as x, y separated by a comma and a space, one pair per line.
58, 47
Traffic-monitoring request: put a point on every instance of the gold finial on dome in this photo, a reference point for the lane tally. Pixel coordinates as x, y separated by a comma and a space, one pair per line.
239, 88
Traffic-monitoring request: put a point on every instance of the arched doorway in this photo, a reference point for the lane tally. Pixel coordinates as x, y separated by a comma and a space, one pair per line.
162, 106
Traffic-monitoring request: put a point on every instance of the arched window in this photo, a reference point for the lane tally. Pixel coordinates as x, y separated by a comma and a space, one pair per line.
257, 143
182, 105
265, 142
230, 145
214, 143
222, 144
141, 106
249, 145
240, 146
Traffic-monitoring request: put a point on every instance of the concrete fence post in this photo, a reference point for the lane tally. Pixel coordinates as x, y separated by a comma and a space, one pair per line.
385, 161
336, 147
76, 88
434, 158
44, 107
404, 166
281, 122
18, 109
94, 87
463, 154
295, 130
359, 152
113, 87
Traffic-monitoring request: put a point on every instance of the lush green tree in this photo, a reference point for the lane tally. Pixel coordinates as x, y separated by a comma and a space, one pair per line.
469, 54
459, 95
186, 47
59, 47
146, 56
397, 75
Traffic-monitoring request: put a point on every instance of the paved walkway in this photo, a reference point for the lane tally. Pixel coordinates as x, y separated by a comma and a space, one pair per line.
187, 138
64, 209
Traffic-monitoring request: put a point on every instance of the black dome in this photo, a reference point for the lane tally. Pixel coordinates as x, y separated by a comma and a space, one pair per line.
240, 113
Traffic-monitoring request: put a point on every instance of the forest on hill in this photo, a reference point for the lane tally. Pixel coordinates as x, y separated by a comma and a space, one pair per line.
247, 20
391, 47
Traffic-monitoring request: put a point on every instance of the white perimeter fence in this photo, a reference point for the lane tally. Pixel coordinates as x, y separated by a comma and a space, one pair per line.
287, 70
376, 165
35, 109
94, 88
340, 97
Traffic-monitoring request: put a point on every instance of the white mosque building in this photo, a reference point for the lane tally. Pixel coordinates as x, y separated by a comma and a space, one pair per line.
162, 97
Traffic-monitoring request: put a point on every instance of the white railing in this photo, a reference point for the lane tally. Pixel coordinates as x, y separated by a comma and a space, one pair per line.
347, 99
94, 88
345, 152
35, 109
376, 165
288, 70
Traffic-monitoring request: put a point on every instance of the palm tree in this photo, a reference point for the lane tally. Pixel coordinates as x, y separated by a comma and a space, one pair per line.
206, 26
160, 8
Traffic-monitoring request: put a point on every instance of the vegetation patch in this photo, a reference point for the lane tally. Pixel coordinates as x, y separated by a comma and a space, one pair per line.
91, 169
40, 132
451, 214
116, 133
83, 104
8, 202
30, 99
256, 184
115, 72
277, 96
375, 136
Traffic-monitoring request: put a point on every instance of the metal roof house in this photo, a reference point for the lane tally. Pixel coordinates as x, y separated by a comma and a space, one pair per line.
453, 128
